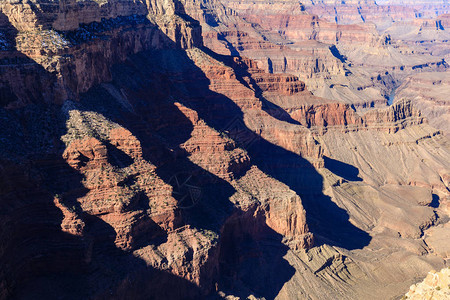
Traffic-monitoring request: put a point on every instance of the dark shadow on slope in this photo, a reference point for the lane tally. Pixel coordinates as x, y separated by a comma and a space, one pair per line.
10, 89
334, 50
172, 77
37, 259
8, 34
346, 171
208, 16
326, 220
435, 202
160, 132
242, 74
117, 157
166, 77
228, 45
189, 85
270, 65
247, 247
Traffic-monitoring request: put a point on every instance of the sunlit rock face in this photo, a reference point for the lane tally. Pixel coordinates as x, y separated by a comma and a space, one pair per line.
435, 286
427, 91
207, 149
354, 52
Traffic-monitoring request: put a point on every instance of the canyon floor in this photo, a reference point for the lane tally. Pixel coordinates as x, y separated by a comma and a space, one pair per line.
224, 149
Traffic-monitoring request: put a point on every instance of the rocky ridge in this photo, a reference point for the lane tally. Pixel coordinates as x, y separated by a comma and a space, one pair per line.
336, 61
428, 92
150, 179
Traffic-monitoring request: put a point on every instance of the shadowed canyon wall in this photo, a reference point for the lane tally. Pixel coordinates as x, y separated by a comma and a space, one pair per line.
139, 161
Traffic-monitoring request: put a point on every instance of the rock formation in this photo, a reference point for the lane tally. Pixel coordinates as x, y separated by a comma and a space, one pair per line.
435, 286
139, 160
429, 91
337, 60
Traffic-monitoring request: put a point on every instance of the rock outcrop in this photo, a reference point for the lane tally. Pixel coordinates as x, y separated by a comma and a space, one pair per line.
428, 93
133, 193
379, 12
336, 59
138, 161
435, 286
77, 43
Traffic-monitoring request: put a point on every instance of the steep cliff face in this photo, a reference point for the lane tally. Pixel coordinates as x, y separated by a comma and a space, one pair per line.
336, 59
77, 42
378, 12
428, 92
138, 177
137, 163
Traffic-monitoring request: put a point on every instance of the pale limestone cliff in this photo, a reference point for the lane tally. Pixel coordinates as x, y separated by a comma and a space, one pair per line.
435, 286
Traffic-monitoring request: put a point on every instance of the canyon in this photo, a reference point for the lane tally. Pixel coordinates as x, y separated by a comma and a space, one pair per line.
223, 150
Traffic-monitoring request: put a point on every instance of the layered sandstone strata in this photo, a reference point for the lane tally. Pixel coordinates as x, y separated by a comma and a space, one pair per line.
429, 91
177, 172
112, 183
80, 55
344, 63
379, 12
